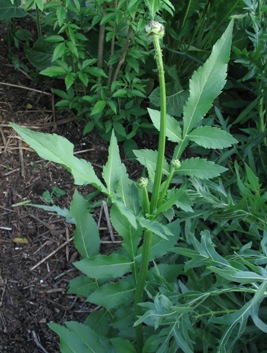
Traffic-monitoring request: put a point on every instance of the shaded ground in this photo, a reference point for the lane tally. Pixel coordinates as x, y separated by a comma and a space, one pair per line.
32, 292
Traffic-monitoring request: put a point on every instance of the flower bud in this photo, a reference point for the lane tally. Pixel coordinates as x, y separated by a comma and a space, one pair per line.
176, 164
142, 183
154, 29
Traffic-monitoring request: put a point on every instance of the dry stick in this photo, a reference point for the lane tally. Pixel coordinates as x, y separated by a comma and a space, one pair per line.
67, 246
38, 344
21, 160
123, 56
3, 293
104, 207
37, 91
100, 52
3, 136
44, 126
51, 254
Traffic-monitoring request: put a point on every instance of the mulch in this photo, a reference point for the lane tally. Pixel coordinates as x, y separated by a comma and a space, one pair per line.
37, 254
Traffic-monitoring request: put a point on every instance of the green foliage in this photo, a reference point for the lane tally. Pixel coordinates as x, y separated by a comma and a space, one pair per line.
9, 10
250, 55
200, 294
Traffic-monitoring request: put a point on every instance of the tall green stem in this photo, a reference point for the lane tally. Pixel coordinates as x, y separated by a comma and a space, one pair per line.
162, 134
139, 294
155, 30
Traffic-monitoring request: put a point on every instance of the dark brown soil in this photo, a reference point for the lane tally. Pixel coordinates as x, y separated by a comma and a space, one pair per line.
36, 254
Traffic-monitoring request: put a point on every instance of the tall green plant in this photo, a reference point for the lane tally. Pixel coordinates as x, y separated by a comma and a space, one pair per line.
140, 212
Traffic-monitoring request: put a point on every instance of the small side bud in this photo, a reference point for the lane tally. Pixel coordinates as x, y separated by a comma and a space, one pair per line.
176, 164
154, 29
142, 183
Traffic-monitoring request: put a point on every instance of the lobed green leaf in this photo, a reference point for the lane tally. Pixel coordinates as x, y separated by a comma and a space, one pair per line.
207, 82
200, 168
212, 137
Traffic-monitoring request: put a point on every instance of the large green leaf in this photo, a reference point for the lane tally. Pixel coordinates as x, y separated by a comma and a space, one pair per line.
86, 236
105, 266
112, 171
69, 341
58, 149
40, 54
8, 10
175, 99
207, 82
112, 295
211, 137
82, 286
92, 341
173, 129
78, 338
126, 212
200, 168
131, 236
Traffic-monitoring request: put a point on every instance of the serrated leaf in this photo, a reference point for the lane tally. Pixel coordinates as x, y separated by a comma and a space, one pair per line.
175, 99
112, 295
53, 71
148, 158
200, 168
59, 150
84, 78
69, 80
58, 51
86, 236
98, 107
212, 137
207, 82
173, 129
105, 266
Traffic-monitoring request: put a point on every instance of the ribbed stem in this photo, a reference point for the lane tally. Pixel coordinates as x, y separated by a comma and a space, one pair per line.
162, 134
146, 248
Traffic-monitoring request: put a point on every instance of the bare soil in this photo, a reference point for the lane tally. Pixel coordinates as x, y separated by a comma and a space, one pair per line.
36, 254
